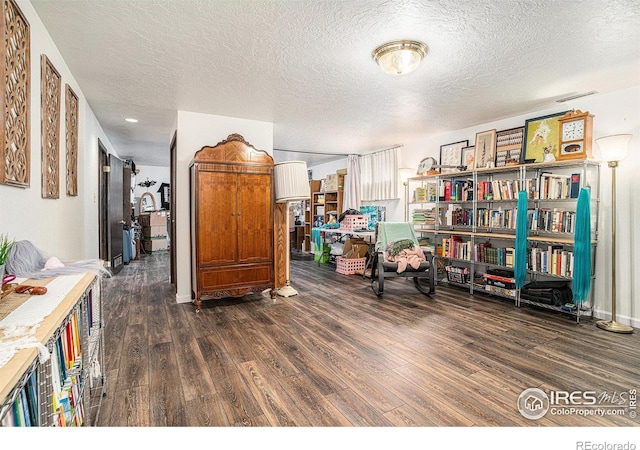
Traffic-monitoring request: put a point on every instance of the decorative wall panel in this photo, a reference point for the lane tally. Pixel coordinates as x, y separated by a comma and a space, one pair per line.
14, 96
71, 111
51, 85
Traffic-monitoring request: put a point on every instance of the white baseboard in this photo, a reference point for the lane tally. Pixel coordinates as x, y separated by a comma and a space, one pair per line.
626, 320
183, 298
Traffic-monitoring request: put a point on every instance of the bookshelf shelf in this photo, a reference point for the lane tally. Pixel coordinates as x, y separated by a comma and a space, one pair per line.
67, 387
467, 211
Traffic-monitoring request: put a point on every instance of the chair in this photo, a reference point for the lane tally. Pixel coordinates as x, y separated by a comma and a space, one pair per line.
396, 232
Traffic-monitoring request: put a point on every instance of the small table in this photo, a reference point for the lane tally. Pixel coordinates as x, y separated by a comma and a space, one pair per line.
360, 233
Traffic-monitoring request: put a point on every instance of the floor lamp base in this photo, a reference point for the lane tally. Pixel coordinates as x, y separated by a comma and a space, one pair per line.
287, 291
613, 326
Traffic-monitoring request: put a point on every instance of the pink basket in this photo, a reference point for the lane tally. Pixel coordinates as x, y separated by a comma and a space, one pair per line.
349, 266
353, 223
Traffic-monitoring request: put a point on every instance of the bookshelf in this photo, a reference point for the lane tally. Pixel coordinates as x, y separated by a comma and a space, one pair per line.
67, 388
468, 220
325, 207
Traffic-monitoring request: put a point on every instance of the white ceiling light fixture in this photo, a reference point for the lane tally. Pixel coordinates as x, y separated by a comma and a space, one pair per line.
132, 120
399, 57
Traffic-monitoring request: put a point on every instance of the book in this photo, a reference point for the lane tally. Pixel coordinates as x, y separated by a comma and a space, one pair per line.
575, 185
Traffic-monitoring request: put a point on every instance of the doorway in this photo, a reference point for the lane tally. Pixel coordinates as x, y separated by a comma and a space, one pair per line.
110, 210
172, 210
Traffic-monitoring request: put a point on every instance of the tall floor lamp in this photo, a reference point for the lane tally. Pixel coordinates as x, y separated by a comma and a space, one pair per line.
613, 149
292, 184
405, 173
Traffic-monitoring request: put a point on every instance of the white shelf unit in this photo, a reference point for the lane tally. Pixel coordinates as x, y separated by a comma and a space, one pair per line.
472, 230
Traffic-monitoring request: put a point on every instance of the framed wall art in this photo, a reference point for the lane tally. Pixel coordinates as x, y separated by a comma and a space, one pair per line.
541, 137
451, 155
485, 149
50, 124
71, 122
469, 157
15, 109
509, 146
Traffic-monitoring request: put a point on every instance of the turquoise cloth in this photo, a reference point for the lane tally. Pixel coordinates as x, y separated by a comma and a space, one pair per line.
582, 248
316, 239
394, 231
520, 256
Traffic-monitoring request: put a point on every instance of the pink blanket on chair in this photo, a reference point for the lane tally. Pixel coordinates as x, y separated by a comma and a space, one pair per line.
406, 258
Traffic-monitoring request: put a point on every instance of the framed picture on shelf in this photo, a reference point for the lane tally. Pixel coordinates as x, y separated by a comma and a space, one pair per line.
509, 146
485, 149
469, 157
451, 155
541, 138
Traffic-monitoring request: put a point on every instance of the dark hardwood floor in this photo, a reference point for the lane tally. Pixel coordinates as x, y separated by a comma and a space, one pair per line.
337, 356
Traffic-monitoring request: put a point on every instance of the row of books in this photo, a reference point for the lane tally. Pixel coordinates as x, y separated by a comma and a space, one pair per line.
426, 193
497, 218
424, 216
24, 411
554, 220
455, 247
555, 186
547, 187
554, 260
486, 253
551, 220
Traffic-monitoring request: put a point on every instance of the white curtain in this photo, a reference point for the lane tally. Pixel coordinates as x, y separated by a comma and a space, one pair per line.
351, 196
379, 175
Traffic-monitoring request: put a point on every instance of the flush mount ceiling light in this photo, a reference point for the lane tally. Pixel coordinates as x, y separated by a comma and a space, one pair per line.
132, 120
399, 57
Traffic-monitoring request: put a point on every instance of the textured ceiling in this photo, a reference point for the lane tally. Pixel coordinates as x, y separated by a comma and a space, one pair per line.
306, 65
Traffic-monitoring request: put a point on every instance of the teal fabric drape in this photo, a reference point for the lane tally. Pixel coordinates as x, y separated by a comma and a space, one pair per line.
582, 248
520, 257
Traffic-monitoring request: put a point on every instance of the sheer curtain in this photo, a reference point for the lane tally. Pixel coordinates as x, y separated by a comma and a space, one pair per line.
379, 175
351, 199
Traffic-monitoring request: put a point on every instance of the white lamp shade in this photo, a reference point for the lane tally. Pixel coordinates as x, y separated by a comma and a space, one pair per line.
614, 147
405, 173
292, 181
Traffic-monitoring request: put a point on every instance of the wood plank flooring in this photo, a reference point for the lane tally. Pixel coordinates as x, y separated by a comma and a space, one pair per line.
337, 356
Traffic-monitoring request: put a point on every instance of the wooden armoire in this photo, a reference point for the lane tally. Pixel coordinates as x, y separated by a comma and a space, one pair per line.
232, 226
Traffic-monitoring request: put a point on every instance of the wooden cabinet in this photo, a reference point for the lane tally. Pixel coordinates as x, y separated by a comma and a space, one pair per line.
232, 226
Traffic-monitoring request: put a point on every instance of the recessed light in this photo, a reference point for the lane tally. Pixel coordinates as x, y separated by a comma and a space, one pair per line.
129, 119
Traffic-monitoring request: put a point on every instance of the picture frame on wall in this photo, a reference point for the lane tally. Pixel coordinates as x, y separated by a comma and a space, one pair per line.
451, 155
541, 138
485, 149
469, 157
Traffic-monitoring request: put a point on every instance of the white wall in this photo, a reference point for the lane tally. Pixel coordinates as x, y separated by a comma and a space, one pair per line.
195, 131
65, 227
615, 113
320, 171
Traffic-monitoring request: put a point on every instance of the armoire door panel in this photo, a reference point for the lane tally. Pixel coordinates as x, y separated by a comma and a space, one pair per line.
217, 219
255, 222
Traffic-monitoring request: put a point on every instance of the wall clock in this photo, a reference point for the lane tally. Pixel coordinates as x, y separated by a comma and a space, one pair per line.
576, 132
